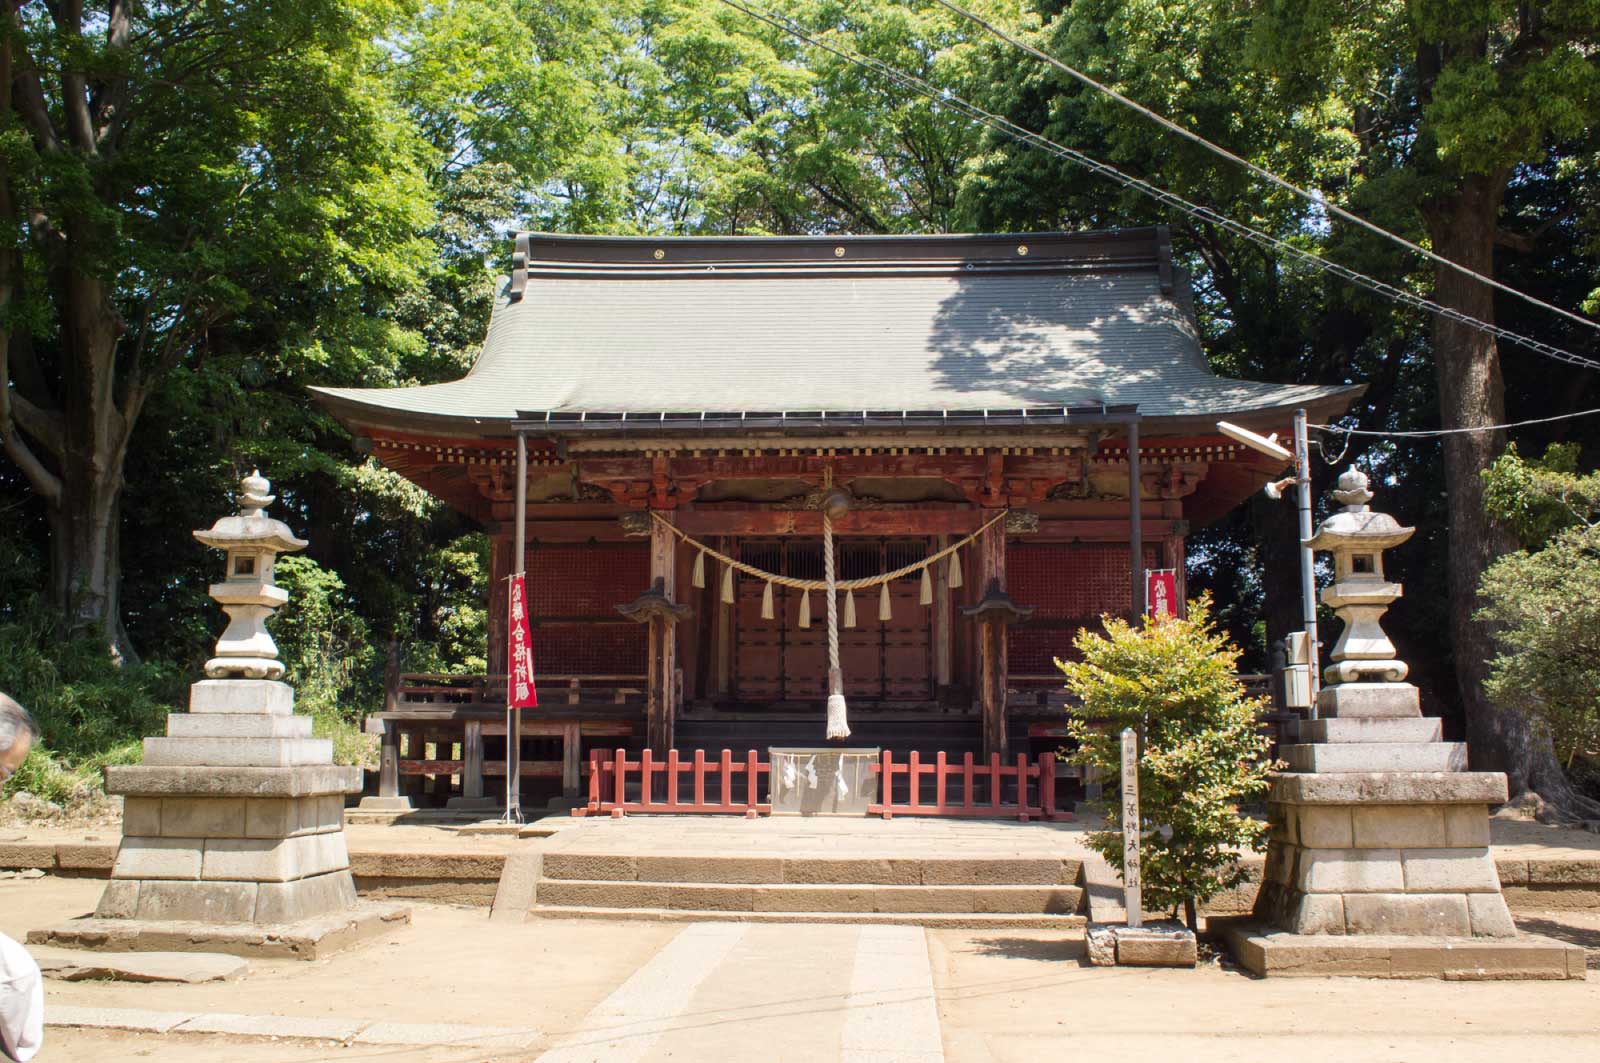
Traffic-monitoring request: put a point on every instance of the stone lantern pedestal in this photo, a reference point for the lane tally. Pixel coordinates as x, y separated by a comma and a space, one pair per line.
1378, 862
233, 827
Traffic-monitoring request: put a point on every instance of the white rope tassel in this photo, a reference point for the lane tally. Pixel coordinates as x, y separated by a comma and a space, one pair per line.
766, 603
805, 609
699, 577
838, 725
849, 609
727, 585
953, 574
926, 595
884, 613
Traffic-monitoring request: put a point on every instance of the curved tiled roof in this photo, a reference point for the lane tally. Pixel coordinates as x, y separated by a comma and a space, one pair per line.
948, 325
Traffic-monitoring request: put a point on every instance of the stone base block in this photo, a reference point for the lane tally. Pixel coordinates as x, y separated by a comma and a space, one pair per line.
306, 939
1386, 788
1372, 700
385, 804
229, 817
1159, 944
237, 725
228, 901
1372, 729
228, 696
1376, 756
1272, 953
306, 780
237, 752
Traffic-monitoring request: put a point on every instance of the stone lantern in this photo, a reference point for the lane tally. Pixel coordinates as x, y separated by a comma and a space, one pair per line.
1357, 538
233, 827
1378, 862
252, 541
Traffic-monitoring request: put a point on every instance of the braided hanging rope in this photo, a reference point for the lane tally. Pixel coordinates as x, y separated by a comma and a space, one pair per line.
824, 584
838, 727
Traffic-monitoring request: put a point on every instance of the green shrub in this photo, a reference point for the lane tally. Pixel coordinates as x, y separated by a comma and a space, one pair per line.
327, 649
1202, 755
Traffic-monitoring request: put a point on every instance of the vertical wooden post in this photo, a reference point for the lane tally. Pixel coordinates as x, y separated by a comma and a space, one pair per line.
724, 625
571, 746
500, 569
661, 710
992, 642
472, 754
941, 625
1135, 523
389, 761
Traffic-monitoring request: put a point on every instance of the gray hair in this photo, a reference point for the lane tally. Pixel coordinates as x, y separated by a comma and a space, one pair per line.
14, 722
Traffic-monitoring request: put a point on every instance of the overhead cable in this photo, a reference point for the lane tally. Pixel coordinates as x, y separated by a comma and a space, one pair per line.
947, 98
1313, 198
1432, 432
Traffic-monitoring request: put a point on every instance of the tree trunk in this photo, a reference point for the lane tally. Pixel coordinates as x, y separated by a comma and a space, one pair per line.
1471, 394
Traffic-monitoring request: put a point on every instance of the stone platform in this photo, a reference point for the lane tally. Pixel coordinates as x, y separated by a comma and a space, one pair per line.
1267, 952
307, 939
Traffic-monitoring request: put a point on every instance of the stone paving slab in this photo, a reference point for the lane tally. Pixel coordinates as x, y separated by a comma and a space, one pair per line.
77, 965
288, 1027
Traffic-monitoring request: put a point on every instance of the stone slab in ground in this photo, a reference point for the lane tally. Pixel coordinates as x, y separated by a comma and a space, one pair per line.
81, 965
1271, 953
1159, 944
309, 939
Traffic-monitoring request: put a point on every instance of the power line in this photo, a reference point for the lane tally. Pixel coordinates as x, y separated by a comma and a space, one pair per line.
1432, 432
947, 98
1309, 196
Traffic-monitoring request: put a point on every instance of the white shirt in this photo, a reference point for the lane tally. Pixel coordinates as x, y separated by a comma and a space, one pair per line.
21, 1002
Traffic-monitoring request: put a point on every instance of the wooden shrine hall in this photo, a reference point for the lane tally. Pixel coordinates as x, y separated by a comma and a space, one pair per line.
646, 410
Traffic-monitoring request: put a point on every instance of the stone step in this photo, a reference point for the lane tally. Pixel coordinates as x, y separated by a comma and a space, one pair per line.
237, 725
832, 899
1372, 729
1335, 758
1072, 925
1001, 870
237, 752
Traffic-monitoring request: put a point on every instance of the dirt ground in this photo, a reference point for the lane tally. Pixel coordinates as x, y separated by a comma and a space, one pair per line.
1001, 996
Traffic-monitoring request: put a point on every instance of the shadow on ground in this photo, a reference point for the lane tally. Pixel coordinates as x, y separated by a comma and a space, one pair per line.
1020, 948
1585, 937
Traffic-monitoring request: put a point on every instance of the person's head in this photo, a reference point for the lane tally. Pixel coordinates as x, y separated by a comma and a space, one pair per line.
17, 732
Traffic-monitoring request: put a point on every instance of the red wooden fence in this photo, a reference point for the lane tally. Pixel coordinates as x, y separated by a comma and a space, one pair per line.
609, 778
1042, 774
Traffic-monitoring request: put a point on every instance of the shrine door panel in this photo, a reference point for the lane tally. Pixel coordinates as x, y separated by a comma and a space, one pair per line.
1069, 586
778, 660
573, 592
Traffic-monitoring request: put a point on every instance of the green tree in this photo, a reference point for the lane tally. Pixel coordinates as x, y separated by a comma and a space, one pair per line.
1543, 601
184, 186
1201, 753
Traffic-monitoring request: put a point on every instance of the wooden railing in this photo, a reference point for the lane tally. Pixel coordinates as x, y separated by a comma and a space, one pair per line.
490, 690
657, 784
984, 789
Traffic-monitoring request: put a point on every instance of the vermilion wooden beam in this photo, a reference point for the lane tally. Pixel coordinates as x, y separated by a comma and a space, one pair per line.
809, 523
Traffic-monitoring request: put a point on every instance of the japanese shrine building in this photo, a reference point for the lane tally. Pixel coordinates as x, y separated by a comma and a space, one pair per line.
723, 382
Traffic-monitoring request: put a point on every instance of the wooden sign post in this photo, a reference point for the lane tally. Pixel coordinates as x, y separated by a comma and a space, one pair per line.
1130, 828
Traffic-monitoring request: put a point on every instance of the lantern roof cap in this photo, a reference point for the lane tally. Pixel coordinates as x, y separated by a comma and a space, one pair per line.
251, 527
1356, 525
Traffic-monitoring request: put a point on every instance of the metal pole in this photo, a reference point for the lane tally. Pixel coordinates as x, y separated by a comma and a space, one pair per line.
1135, 524
519, 564
1308, 577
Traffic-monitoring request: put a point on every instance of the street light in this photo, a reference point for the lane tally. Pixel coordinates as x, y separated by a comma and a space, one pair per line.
1302, 478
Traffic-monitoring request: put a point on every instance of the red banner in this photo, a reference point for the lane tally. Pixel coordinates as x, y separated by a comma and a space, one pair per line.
520, 691
1161, 592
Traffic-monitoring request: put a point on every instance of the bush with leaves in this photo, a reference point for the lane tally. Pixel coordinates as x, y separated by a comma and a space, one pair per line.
1202, 754
331, 662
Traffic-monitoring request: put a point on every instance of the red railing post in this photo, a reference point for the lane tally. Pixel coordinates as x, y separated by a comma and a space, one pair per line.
646, 768
888, 784
699, 777
1047, 786
966, 780
1022, 787
672, 776
727, 777
994, 780
750, 770
620, 770
915, 773
939, 767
